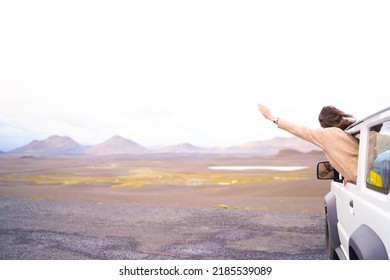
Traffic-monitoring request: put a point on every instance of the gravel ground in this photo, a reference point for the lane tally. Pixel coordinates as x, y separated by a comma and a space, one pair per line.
46, 229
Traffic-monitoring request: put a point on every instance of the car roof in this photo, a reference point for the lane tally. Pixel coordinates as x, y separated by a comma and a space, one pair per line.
354, 128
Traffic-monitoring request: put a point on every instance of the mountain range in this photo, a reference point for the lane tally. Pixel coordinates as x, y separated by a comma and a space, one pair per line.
63, 145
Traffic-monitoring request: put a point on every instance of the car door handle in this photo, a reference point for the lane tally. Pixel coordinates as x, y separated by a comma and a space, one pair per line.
351, 210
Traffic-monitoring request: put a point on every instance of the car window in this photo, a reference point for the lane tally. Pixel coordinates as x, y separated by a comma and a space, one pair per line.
378, 164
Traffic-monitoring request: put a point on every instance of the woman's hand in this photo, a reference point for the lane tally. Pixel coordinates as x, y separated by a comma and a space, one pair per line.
265, 111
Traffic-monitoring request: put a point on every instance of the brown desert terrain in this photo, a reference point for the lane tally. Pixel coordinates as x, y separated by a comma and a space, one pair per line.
177, 181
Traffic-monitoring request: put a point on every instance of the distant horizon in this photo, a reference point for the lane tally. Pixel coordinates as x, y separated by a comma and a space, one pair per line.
148, 147
56, 145
7, 146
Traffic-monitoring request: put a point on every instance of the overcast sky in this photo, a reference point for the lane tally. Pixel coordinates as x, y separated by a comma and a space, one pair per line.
166, 72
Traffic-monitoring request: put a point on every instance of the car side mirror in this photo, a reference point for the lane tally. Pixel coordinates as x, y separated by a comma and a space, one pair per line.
325, 171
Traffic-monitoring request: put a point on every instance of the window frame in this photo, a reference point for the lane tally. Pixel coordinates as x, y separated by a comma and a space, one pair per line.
385, 190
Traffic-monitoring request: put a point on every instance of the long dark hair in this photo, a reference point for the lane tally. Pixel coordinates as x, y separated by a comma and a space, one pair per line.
332, 117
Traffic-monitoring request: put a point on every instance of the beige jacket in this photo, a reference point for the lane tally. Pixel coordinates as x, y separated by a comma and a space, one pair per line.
340, 147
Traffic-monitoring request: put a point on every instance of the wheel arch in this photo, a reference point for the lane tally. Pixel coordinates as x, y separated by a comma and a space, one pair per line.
365, 244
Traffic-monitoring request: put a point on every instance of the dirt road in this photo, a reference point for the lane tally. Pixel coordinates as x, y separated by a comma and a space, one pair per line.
47, 229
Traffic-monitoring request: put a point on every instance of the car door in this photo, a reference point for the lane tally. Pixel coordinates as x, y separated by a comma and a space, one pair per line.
346, 198
364, 208
373, 207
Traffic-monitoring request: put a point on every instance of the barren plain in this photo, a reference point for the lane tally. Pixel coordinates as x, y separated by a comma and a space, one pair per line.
161, 207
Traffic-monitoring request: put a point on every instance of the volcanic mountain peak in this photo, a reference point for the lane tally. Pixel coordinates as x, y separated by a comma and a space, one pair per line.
183, 148
53, 145
116, 139
117, 145
186, 146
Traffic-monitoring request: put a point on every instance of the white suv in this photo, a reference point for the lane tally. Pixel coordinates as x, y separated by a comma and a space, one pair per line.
358, 215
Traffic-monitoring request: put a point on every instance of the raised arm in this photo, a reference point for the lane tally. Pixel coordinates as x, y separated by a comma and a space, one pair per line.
266, 113
314, 136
